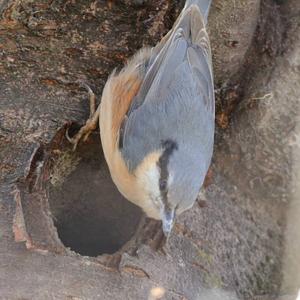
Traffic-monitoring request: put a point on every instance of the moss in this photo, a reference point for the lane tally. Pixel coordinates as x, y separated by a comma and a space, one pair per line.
205, 256
213, 280
65, 164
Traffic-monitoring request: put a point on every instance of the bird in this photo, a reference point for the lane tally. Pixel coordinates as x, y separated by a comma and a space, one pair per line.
157, 118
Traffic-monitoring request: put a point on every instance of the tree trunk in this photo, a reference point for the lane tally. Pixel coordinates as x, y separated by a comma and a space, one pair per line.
66, 232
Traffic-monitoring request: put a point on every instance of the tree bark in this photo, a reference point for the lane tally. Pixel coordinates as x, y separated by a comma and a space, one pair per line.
66, 233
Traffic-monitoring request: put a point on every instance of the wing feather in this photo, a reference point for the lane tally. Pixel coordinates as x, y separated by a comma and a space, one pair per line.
176, 98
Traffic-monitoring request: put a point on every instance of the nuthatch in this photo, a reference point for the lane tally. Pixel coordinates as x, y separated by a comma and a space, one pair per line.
156, 119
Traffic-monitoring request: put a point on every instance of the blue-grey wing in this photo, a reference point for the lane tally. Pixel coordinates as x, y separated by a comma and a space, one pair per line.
176, 99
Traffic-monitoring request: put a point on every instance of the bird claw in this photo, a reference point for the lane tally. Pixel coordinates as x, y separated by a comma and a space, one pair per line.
83, 133
71, 140
91, 123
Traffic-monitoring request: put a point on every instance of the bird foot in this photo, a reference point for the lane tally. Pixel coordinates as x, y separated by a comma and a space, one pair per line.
90, 124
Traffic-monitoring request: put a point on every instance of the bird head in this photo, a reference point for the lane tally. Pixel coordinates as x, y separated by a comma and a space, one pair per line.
170, 181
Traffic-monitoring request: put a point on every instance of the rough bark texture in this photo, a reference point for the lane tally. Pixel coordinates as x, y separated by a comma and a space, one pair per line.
239, 241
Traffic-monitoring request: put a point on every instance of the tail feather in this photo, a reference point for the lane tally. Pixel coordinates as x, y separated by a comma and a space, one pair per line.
204, 6
190, 24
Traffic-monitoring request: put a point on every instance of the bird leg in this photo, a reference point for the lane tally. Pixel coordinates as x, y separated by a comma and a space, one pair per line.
90, 124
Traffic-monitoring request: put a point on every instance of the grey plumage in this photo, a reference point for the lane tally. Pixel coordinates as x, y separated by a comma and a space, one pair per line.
176, 102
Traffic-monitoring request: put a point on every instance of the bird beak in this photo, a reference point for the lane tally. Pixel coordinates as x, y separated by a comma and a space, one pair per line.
168, 217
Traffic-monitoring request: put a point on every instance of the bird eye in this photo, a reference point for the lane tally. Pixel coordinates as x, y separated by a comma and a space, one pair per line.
162, 185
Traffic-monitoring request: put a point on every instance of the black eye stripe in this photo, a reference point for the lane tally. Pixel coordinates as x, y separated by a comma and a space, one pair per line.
169, 147
162, 185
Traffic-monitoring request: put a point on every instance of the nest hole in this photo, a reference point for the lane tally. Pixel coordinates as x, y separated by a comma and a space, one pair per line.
91, 216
